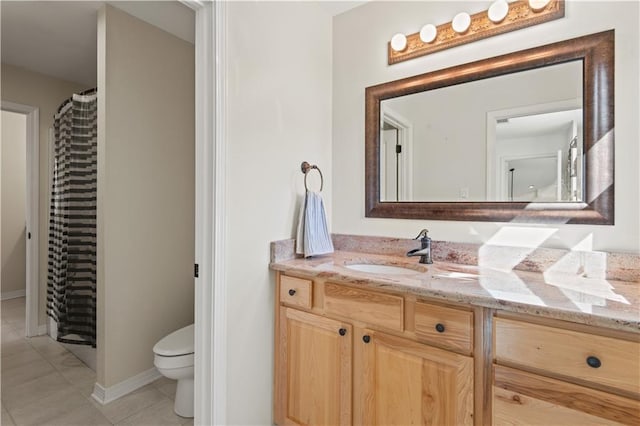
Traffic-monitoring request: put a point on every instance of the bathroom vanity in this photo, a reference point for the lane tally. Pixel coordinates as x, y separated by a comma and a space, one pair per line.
451, 344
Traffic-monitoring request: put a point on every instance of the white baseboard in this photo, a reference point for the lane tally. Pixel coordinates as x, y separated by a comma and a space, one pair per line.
42, 329
6, 295
106, 395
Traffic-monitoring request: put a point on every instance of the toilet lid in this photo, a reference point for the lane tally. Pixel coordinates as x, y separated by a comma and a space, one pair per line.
180, 342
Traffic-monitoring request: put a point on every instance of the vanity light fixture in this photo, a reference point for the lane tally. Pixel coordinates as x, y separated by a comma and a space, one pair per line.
461, 22
501, 17
428, 33
498, 11
399, 42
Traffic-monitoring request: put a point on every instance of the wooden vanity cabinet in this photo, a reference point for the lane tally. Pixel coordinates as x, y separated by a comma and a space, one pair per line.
350, 354
355, 354
550, 372
348, 359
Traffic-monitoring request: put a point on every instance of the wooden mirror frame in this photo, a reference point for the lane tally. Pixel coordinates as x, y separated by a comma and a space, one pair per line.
596, 51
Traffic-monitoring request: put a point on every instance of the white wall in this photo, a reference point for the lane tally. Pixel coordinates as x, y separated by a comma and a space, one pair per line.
146, 186
13, 168
359, 60
46, 93
278, 115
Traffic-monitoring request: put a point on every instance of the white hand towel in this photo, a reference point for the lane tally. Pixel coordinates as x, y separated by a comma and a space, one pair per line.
300, 233
313, 237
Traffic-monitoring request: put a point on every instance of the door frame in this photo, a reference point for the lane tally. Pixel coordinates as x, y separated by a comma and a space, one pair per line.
405, 139
32, 289
210, 335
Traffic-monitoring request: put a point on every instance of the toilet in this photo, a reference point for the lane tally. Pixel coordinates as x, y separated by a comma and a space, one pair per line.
173, 357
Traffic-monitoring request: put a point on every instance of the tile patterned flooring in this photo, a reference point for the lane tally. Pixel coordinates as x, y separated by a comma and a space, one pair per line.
44, 384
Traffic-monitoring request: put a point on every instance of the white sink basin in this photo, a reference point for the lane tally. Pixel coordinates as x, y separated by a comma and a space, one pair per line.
381, 269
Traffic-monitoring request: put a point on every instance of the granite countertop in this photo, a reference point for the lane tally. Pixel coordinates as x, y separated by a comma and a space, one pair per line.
559, 295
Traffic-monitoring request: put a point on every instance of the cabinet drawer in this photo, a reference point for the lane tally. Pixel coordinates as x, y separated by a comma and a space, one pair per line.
295, 291
445, 326
521, 398
590, 358
370, 307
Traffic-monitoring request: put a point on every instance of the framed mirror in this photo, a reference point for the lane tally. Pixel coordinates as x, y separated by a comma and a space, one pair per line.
525, 137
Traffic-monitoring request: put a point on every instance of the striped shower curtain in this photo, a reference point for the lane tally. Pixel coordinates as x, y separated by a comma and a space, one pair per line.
71, 282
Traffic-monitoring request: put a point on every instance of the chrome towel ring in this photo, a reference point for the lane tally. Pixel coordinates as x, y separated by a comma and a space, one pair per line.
306, 168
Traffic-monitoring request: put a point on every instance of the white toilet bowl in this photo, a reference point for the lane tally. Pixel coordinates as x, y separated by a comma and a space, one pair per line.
173, 357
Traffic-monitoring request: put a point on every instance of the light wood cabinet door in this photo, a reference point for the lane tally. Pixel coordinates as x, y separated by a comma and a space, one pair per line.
409, 383
315, 375
521, 398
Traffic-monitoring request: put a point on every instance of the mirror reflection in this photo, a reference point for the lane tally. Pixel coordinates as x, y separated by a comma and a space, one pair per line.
515, 137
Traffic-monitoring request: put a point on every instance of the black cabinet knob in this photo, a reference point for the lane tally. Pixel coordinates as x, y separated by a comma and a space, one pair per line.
292, 292
342, 331
366, 338
440, 328
593, 362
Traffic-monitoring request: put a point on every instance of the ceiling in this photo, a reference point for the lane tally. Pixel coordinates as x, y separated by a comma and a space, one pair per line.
59, 38
539, 124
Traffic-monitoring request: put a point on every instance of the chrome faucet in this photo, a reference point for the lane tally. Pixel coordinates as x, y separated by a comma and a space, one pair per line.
425, 248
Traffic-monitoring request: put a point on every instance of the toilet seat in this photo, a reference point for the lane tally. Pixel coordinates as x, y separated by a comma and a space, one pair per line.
178, 343
169, 362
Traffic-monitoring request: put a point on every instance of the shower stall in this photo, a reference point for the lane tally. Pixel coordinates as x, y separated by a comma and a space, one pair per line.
71, 278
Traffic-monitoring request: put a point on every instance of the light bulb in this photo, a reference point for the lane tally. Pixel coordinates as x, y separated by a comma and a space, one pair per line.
399, 42
428, 33
461, 22
498, 11
538, 5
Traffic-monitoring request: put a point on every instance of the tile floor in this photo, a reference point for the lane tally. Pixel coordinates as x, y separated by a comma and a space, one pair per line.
44, 384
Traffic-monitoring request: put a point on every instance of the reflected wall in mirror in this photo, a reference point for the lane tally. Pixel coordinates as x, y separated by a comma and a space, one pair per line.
525, 136
516, 128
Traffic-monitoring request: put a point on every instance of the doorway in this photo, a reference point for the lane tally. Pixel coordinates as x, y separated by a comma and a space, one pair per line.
533, 178
32, 184
546, 141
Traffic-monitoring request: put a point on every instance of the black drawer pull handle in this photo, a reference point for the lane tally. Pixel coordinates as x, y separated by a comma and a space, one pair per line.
440, 328
292, 292
593, 362
366, 338
342, 331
